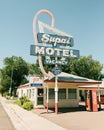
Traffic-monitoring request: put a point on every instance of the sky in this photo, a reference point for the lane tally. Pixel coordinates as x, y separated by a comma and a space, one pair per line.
83, 19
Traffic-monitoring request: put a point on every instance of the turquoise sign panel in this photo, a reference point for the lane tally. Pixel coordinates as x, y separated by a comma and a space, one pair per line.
56, 70
51, 39
54, 62
54, 52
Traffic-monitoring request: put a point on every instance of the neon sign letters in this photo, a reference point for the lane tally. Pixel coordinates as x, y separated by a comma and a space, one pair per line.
54, 52
52, 39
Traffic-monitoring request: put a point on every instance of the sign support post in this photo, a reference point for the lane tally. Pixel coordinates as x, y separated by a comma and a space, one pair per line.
47, 98
56, 91
56, 95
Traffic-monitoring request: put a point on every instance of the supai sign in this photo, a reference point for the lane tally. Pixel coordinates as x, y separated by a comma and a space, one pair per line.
52, 39
56, 46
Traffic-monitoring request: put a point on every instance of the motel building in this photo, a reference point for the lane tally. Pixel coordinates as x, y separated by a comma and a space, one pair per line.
70, 90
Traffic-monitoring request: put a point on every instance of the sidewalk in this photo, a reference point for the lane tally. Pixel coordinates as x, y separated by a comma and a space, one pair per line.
27, 120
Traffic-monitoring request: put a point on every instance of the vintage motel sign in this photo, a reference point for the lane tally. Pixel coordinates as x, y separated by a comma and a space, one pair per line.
49, 45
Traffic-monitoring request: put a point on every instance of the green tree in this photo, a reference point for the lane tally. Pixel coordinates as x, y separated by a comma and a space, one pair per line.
86, 67
13, 73
34, 69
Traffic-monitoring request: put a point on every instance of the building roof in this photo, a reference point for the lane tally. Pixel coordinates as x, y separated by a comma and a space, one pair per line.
73, 79
24, 85
98, 86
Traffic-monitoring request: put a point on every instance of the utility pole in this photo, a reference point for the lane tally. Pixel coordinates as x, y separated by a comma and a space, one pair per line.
10, 88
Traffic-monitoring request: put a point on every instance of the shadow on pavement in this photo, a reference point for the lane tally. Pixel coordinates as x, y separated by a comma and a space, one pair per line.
60, 110
71, 109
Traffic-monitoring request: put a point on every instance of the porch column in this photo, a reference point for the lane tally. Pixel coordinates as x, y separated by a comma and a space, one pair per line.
47, 97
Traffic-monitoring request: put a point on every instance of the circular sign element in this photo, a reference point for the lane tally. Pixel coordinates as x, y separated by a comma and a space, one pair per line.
56, 70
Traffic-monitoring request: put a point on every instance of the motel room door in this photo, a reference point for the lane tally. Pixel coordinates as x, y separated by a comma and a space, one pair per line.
40, 92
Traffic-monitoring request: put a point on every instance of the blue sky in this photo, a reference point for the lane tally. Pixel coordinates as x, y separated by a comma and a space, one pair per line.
83, 19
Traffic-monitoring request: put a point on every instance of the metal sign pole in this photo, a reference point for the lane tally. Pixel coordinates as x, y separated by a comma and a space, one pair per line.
56, 95
56, 91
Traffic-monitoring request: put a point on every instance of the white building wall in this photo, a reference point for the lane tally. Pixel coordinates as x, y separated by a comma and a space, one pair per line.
31, 92
63, 102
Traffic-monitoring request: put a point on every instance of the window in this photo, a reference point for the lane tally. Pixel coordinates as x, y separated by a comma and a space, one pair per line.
40, 96
40, 91
51, 93
72, 93
62, 94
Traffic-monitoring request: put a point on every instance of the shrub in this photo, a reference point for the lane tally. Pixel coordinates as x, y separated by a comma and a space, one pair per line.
18, 102
25, 103
5, 94
24, 99
7, 97
28, 105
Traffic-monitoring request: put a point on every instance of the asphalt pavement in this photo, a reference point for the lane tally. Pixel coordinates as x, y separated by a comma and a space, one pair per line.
5, 122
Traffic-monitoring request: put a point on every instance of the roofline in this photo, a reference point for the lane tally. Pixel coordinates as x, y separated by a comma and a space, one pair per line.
93, 82
90, 88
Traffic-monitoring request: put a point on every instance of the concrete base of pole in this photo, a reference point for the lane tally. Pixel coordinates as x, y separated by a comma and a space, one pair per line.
56, 108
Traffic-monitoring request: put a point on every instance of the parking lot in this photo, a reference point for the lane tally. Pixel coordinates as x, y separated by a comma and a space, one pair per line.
75, 118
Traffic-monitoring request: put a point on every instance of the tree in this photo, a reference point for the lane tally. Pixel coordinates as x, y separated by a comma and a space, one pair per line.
14, 73
86, 67
34, 69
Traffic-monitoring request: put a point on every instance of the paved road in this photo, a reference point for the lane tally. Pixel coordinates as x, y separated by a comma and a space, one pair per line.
5, 122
